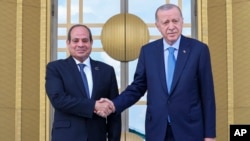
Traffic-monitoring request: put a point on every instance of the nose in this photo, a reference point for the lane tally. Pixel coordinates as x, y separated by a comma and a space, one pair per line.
80, 43
171, 26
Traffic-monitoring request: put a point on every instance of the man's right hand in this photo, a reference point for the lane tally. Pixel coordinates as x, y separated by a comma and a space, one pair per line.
104, 107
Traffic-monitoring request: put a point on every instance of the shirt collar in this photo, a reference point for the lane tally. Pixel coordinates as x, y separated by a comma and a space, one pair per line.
175, 45
86, 62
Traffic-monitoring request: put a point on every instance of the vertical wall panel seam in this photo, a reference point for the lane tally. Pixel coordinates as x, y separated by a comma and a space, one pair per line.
204, 21
199, 20
230, 62
47, 59
43, 59
18, 98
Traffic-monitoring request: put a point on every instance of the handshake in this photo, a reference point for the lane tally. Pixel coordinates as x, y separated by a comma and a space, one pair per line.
104, 107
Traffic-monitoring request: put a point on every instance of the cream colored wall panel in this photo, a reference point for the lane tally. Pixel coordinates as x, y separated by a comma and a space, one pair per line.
218, 50
239, 1
30, 125
216, 3
10, 1
241, 54
8, 53
242, 115
21, 109
31, 58
7, 124
34, 3
217, 41
222, 125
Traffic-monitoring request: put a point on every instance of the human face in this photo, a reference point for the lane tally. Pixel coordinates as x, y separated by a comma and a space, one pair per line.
80, 45
169, 23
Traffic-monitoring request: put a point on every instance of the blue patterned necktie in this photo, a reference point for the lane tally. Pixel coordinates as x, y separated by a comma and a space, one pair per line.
171, 66
84, 79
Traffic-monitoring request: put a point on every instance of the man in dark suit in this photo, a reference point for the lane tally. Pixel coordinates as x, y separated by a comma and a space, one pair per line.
181, 110
75, 105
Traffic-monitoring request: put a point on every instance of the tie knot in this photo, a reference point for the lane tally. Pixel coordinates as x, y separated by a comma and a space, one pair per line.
81, 66
171, 50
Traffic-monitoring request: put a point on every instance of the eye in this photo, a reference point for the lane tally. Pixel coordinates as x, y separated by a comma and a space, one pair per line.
166, 22
85, 40
75, 40
175, 21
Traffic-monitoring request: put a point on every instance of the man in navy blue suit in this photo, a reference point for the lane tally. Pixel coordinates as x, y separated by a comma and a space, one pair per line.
75, 105
184, 111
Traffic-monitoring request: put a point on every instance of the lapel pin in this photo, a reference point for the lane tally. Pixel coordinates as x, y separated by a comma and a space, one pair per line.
184, 51
96, 68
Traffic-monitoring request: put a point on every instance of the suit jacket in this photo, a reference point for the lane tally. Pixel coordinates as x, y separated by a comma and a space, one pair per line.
74, 119
190, 104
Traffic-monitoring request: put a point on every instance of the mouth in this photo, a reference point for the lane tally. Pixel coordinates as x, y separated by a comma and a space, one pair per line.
171, 34
80, 51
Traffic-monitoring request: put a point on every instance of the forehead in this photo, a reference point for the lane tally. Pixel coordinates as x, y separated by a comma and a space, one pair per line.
79, 31
172, 13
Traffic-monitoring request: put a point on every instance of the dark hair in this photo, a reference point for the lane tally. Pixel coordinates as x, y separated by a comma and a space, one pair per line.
166, 7
79, 25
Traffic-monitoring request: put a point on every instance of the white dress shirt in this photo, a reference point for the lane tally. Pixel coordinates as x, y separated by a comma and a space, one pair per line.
88, 72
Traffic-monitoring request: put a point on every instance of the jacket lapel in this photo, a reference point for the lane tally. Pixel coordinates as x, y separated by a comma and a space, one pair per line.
183, 53
95, 76
160, 58
76, 74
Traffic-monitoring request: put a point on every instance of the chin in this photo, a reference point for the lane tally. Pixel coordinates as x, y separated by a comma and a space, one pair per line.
172, 41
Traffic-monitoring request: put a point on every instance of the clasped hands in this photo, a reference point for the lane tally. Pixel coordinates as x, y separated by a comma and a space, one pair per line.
104, 107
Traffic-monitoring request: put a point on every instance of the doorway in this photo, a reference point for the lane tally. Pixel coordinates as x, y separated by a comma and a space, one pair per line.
94, 14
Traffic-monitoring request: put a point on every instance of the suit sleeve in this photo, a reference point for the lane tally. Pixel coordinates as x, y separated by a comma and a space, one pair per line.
207, 93
114, 120
62, 99
136, 90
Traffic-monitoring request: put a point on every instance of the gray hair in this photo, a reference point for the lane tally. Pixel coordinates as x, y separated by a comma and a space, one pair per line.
167, 7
